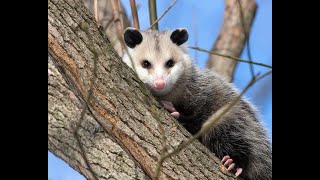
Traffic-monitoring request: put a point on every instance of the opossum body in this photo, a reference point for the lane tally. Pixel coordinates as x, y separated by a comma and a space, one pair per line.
162, 63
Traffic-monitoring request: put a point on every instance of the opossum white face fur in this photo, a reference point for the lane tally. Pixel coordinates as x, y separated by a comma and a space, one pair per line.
159, 58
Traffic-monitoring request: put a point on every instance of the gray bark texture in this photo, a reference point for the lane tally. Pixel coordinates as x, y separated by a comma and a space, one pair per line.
120, 133
231, 39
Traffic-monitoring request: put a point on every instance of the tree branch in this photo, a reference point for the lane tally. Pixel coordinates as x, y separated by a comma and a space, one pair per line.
230, 57
96, 14
134, 14
106, 17
153, 14
164, 13
121, 104
231, 39
246, 37
104, 153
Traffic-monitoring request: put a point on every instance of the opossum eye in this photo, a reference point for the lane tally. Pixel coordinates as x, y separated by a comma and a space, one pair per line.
146, 64
170, 63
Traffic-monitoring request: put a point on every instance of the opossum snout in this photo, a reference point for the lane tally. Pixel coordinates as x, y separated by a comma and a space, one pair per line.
159, 84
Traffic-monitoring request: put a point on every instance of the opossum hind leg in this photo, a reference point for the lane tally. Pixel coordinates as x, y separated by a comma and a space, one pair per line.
228, 163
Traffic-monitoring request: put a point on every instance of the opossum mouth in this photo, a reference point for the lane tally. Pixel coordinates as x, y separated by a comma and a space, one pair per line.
161, 92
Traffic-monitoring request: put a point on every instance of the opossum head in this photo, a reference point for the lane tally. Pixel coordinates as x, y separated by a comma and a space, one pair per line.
158, 58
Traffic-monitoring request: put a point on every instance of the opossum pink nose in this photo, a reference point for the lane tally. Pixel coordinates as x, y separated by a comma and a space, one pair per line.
159, 84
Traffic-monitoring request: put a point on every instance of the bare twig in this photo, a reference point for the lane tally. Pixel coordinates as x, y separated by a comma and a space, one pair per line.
134, 14
164, 141
153, 14
158, 168
211, 121
121, 12
108, 23
246, 37
96, 13
231, 57
116, 19
165, 12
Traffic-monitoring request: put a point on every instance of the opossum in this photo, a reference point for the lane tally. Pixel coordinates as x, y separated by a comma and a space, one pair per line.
192, 95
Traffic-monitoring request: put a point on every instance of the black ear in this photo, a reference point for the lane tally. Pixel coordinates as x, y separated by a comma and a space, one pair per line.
179, 36
132, 37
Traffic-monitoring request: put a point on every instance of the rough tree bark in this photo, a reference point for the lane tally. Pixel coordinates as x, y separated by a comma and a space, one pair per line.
231, 39
130, 145
111, 160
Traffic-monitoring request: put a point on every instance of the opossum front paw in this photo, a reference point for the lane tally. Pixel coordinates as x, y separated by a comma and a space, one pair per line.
170, 108
175, 114
228, 163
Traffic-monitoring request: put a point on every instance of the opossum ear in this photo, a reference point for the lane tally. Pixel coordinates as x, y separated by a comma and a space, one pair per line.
179, 36
132, 37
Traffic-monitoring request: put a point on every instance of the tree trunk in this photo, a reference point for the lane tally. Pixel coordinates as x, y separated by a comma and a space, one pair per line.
130, 145
231, 39
105, 154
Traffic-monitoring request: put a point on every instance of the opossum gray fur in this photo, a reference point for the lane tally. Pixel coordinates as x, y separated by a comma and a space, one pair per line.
197, 94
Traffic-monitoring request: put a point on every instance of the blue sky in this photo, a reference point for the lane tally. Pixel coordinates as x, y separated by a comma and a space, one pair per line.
209, 16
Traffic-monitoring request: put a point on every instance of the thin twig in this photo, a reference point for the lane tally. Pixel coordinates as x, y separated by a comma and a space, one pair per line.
164, 142
211, 121
96, 13
231, 57
153, 14
108, 23
246, 37
119, 31
87, 100
116, 19
134, 14
165, 12
120, 13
